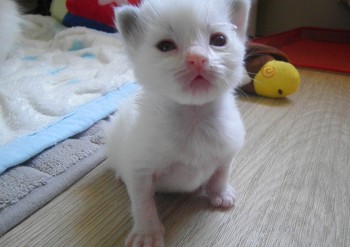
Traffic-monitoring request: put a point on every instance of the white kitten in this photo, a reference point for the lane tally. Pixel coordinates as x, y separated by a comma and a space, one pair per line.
184, 128
9, 26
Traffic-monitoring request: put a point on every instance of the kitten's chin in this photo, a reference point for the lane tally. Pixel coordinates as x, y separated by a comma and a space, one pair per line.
199, 85
196, 100
198, 92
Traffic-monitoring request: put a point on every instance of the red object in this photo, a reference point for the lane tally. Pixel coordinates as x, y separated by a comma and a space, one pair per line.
90, 9
134, 2
316, 48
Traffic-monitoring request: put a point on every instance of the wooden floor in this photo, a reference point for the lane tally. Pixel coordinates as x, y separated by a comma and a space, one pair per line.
292, 180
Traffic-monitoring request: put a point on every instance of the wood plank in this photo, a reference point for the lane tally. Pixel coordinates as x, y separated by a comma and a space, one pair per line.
292, 180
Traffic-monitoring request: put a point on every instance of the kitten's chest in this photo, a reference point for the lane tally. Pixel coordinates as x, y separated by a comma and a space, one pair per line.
198, 133
195, 125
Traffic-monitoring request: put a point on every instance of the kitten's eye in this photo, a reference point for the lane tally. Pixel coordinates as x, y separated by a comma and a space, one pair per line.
166, 45
218, 39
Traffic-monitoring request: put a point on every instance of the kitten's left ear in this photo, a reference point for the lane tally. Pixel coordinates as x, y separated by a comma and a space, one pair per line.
239, 15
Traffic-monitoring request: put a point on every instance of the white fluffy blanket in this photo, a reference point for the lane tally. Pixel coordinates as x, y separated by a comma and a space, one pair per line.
55, 75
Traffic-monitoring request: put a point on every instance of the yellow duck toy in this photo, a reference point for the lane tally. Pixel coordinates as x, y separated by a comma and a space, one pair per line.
269, 72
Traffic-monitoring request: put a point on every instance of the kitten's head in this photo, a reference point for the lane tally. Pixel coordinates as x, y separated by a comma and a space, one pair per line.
189, 51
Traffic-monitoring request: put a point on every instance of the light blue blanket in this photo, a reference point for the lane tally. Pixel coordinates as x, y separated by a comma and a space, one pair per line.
25, 147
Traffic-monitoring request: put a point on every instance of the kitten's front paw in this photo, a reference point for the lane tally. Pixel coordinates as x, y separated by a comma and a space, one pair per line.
224, 199
141, 238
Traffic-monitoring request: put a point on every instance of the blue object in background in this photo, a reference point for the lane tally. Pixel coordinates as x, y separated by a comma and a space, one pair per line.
70, 20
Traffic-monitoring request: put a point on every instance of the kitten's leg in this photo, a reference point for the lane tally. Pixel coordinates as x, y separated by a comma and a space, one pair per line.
220, 192
147, 230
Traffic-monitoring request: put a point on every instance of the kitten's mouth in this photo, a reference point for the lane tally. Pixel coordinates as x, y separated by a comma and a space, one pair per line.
199, 84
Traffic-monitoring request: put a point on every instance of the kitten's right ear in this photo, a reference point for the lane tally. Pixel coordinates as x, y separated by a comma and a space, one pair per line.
128, 23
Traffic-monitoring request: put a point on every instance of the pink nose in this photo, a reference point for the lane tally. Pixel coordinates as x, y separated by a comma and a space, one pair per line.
196, 60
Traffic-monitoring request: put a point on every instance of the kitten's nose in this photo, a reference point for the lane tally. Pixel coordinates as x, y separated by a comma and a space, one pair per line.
196, 60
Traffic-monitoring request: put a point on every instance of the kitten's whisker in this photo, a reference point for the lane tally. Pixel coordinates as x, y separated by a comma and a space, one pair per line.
181, 73
255, 55
238, 91
251, 73
233, 71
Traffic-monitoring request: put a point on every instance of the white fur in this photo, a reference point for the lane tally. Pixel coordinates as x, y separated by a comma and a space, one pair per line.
9, 26
169, 138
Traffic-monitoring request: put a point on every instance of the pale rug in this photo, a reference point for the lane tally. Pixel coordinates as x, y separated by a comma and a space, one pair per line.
56, 83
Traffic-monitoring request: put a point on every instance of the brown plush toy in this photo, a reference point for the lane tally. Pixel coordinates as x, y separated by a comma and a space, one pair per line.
269, 72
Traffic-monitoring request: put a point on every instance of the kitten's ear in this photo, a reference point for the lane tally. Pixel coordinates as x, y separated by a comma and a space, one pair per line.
128, 23
239, 15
